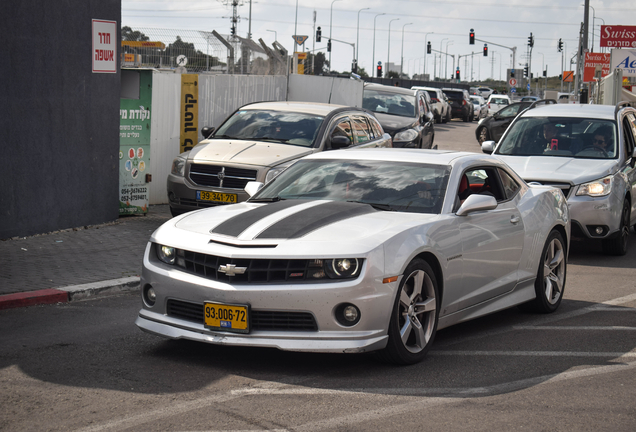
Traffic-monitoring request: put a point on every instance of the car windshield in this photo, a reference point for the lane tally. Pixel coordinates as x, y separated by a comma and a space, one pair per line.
499, 101
390, 186
389, 103
579, 138
475, 101
273, 126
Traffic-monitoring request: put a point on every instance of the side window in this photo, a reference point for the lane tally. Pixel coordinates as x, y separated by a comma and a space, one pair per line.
631, 121
483, 181
342, 128
375, 126
361, 129
509, 185
423, 105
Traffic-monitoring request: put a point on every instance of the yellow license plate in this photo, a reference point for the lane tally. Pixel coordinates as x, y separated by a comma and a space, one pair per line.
234, 318
216, 197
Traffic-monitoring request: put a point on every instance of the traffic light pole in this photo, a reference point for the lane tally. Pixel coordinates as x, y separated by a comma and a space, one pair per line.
448, 55
353, 45
513, 49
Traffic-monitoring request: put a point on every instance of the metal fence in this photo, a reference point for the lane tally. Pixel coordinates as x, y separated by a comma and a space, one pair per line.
198, 52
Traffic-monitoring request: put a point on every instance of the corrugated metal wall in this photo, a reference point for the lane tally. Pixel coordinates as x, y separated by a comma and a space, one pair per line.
339, 91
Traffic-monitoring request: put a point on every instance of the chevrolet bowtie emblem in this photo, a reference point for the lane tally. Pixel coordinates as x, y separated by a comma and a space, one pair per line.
232, 270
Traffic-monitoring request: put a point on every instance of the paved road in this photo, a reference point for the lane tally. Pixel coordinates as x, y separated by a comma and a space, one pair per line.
85, 366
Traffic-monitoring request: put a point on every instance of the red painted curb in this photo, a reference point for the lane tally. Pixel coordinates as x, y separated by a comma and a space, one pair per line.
45, 296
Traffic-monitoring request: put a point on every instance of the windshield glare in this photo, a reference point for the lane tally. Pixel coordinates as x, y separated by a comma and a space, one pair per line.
275, 126
564, 137
389, 103
393, 186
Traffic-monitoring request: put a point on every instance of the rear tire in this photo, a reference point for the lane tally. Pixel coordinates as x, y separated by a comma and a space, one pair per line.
550, 282
618, 245
414, 317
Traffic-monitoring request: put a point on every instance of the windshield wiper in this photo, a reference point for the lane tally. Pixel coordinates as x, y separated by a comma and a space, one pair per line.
384, 207
224, 137
272, 199
270, 139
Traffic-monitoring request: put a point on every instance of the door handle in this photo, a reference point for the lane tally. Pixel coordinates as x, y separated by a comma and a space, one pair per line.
515, 220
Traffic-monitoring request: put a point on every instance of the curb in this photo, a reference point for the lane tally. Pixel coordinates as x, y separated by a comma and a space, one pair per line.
69, 293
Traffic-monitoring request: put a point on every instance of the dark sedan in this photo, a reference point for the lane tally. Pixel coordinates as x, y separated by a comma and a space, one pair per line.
492, 127
403, 113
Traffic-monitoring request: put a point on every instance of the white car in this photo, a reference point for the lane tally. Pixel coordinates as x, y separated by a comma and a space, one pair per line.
497, 102
481, 107
441, 108
353, 251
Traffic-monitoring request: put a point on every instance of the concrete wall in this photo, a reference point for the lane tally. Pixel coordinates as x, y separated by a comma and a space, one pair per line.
58, 121
339, 91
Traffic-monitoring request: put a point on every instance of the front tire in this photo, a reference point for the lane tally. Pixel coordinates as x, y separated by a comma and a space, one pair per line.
414, 317
483, 135
618, 245
551, 276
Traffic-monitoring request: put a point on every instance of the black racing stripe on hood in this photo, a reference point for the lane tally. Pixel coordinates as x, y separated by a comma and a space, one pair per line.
311, 219
234, 226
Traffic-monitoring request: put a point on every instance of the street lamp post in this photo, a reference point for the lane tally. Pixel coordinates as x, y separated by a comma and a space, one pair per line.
425, 48
373, 62
358, 35
330, 30
275, 35
388, 52
402, 52
440, 56
446, 60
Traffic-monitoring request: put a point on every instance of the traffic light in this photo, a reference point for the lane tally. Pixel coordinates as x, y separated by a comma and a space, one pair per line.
457, 75
471, 37
233, 30
329, 45
354, 66
531, 40
512, 73
379, 71
428, 48
485, 50
545, 73
525, 71
560, 46
318, 34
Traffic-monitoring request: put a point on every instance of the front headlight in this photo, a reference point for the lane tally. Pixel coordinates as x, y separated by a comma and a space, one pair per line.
407, 135
342, 268
178, 166
596, 188
166, 254
272, 173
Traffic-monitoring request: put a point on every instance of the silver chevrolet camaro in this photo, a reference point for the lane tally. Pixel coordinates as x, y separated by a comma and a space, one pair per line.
359, 250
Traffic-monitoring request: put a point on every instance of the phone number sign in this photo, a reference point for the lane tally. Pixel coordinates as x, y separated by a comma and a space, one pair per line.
614, 36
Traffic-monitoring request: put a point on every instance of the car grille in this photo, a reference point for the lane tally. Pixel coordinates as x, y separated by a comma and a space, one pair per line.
260, 320
256, 270
220, 176
565, 187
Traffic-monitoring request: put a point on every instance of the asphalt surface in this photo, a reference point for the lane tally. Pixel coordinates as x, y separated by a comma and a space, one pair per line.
76, 263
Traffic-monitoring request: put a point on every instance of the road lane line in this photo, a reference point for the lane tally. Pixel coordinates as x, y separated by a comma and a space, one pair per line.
588, 328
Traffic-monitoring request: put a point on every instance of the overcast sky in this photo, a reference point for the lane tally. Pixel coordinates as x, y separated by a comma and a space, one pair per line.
505, 23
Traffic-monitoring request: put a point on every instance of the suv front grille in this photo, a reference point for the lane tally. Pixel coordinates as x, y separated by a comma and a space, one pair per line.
260, 320
565, 187
221, 176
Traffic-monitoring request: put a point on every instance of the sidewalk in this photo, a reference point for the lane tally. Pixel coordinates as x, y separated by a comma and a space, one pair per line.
76, 263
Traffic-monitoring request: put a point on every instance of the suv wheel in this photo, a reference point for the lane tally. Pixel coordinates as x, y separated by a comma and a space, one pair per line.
618, 244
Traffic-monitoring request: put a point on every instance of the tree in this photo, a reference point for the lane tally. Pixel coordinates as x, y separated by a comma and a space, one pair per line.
321, 64
392, 74
127, 34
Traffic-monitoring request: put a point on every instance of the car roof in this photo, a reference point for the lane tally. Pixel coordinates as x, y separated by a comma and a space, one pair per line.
605, 112
297, 107
425, 88
390, 89
433, 157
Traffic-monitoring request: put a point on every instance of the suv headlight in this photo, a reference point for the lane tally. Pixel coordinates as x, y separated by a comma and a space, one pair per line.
178, 166
407, 135
596, 188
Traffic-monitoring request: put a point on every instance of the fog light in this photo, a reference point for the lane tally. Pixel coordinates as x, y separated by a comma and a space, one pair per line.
150, 295
599, 230
347, 314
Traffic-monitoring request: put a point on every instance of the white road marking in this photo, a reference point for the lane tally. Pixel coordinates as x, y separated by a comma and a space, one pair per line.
576, 328
535, 353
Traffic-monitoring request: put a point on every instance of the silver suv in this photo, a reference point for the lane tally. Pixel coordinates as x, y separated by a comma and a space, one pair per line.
588, 152
441, 108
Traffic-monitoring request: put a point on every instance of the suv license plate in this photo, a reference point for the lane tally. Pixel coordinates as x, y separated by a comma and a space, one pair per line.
216, 197
232, 318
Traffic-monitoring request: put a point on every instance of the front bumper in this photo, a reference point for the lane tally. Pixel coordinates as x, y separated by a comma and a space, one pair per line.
588, 213
373, 298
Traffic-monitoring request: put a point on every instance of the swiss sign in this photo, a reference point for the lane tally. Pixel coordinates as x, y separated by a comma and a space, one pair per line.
104, 46
300, 39
625, 60
592, 60
618, 36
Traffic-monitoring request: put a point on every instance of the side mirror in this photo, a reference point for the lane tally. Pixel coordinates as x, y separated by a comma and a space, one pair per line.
428, 117
207, 131
252, 187
339, 142
488, 147
475, 203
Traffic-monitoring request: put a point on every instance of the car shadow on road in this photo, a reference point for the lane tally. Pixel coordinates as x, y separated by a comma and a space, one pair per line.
587, 252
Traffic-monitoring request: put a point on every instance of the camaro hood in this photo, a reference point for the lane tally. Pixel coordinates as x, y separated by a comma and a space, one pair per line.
392, 123
247, 152
559, 169
287, 228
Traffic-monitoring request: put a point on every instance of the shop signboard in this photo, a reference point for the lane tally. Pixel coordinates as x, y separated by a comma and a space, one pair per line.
625, 60
618, 36
592, 60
